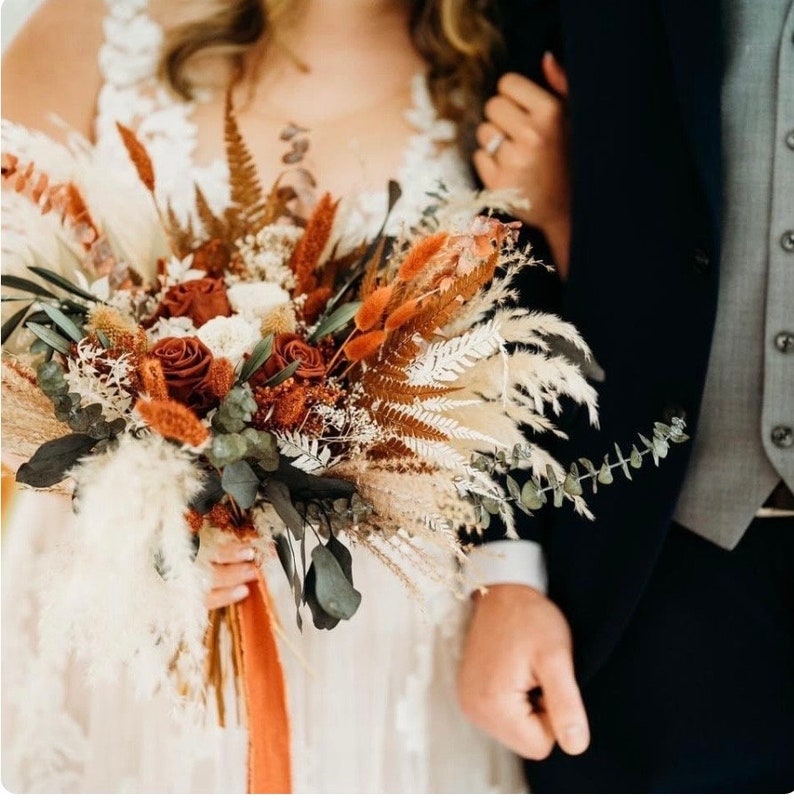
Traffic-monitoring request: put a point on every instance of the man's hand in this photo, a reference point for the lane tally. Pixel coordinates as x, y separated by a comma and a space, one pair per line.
519, 641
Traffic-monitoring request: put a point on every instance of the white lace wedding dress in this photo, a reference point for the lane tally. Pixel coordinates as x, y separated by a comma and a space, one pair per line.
372, 703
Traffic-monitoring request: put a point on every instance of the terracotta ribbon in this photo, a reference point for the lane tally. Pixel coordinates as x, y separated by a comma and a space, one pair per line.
269, 762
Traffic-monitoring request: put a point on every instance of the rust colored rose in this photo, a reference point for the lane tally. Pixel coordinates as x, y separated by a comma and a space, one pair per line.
200, 299
287, 348
187, 363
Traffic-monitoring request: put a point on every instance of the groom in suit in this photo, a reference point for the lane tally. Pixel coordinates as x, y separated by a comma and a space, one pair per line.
656, 645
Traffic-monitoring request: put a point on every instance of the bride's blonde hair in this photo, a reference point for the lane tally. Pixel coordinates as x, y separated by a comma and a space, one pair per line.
457, 38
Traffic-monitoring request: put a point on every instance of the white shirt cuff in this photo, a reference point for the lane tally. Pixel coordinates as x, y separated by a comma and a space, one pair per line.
502, 562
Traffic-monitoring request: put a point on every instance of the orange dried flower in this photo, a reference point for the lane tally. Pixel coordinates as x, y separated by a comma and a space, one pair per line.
195, 520
371, 311
138, 155
315, 303
153, 379
420, 255
173, 420
364, 345
401, 315
220, 378
311, 245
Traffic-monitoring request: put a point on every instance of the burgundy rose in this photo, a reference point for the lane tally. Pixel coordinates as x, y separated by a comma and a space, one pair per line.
186, 365
200, 299
287, 348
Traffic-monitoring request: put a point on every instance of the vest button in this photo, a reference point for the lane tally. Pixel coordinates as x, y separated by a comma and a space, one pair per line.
702, 261
783, 436
787, 241
790, 139
784, 342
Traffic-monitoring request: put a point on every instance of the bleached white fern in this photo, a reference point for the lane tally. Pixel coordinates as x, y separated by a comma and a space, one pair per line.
445, 361
448, 426
304, 451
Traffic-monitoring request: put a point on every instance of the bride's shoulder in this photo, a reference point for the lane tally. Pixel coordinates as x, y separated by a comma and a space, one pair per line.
51, 67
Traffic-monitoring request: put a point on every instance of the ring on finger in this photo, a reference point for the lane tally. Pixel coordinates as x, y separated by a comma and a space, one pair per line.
494, 143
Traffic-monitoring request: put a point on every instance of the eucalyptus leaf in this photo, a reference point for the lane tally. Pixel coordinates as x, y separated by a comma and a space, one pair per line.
572, 485
259, 356
283, 375
62, 283
490, 504
65, 324
284, 552
335, 594
605, 474
52, 460
531, 496
635, 458
556, 486
623, 463
18, 283
103, 338
10, 326
336, 320
278, 495
241, 483
513, 488
320, 618
50, 337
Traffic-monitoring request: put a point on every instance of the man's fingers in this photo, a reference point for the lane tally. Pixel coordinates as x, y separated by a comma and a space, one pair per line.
555, 74
562, 702
509, 718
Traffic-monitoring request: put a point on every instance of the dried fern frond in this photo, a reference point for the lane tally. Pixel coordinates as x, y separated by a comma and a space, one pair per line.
246, 211
65, 199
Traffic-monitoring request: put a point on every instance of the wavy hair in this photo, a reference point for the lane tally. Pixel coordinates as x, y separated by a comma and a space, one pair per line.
458, 39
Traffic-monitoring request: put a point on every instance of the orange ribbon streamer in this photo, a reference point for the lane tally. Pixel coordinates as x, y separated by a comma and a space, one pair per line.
269, 763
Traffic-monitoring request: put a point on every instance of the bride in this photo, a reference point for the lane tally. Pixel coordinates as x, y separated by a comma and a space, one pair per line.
385, 89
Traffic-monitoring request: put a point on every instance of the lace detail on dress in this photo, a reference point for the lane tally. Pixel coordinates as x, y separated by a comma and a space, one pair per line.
133, 96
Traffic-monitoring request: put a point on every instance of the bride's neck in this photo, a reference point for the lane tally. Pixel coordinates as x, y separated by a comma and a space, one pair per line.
325, 33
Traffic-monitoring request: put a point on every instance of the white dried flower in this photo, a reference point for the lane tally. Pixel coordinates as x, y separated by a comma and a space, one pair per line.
255, 299
230, 337
171, 327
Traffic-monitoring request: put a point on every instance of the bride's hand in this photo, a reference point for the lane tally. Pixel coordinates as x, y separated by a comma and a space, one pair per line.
232, 568
523, 146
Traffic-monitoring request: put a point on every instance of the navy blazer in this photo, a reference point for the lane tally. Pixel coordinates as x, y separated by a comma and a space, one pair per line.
644, 78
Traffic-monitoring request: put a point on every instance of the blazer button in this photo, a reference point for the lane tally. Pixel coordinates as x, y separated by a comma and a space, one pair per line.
783, 436
787, 241
784, 342
702, 261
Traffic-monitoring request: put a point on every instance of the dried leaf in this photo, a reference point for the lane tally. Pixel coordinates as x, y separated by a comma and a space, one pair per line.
138, 155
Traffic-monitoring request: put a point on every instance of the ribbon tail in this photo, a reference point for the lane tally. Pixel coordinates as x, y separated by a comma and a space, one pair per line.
269, 763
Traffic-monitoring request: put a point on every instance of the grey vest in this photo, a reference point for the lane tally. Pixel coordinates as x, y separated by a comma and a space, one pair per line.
745, 440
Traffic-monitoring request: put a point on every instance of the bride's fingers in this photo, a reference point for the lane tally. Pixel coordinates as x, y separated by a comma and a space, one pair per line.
227, 576
233, 552
223, 597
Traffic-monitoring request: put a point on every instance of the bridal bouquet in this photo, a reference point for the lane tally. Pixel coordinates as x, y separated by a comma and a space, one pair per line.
255, 379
